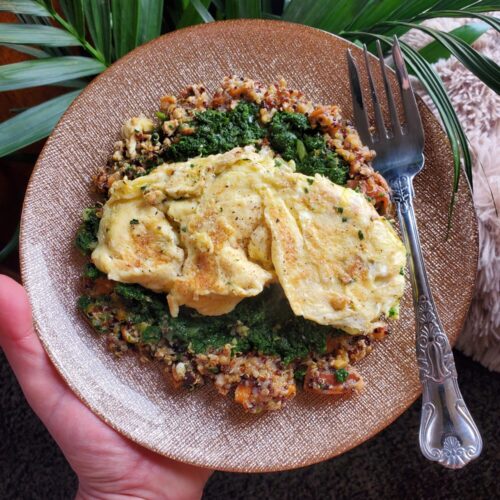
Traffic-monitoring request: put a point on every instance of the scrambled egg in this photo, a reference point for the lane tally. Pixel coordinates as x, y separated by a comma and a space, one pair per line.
211, 231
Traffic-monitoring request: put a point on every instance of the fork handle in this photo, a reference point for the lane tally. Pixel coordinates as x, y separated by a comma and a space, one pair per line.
448, 434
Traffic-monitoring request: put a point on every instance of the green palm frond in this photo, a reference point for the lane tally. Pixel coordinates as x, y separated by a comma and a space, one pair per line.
101, 31
27, 74
42, 119
36, 34
29, 7
469, 33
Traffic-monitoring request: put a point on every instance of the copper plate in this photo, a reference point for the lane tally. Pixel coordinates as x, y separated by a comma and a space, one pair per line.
201, 427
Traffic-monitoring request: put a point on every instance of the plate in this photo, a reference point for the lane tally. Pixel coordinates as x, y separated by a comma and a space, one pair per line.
202, 427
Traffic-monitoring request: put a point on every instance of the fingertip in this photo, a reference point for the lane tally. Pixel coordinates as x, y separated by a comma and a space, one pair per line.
15, 310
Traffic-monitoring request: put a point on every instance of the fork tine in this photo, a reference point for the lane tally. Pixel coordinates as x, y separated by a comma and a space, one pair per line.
360, 116
379, 117
413, 122
396, 126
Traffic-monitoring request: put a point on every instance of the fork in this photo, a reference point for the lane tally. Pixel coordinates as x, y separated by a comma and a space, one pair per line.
447, 433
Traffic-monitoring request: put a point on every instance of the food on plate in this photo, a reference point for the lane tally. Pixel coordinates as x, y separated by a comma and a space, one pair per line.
243, 240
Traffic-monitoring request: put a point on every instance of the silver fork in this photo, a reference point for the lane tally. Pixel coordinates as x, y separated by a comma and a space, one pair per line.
448, 434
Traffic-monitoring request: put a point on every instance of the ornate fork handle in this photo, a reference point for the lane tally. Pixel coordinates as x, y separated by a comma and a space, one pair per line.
448, 434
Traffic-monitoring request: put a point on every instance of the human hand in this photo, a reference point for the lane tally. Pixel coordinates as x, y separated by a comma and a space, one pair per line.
108, 465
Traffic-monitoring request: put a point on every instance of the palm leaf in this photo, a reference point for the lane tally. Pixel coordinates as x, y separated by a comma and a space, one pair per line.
455, 4
373, 12
73, 11
136, 25
36, 34
493, 21
97, 54
36, 123
219, 5
484, 7
26, 49
409, 9
24, 7
249, 9
468, 33
149, 21
27, 74
483, 67
195, 12
202, 10
331, 15
405, 12
124, 26
77, 83
98, 16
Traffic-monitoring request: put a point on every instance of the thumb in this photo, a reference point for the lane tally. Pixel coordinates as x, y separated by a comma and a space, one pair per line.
39, 381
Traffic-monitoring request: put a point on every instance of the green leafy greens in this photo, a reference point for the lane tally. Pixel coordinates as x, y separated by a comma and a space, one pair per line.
218, 132
264, 324
291, 135
86, 237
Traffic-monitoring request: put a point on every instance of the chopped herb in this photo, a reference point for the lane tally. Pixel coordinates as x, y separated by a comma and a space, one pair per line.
341, 375
91, 272
132, 292
161, 116
402, 271
301, 150
344, 219
340, 210
183, 229
393, 312
134, 221
84, 302
361, 236
310, 181
86, 237
151, 334
306, 190
299, 374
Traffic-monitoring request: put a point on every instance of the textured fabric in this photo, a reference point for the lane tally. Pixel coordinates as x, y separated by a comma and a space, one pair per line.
200, 427
478, 109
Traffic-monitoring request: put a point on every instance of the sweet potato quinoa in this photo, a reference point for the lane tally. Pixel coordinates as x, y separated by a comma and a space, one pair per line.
259, 352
